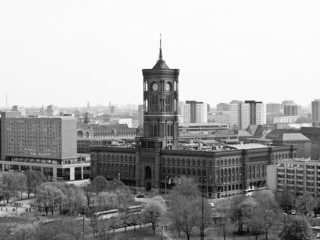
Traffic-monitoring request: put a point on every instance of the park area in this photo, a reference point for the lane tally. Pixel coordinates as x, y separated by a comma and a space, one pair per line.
33, 208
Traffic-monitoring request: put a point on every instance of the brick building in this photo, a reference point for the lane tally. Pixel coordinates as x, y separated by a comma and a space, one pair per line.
157, 161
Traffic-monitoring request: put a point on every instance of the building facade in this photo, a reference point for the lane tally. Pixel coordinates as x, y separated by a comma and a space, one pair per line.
46, 144
247, 113
298, 176
194, 112
316, 112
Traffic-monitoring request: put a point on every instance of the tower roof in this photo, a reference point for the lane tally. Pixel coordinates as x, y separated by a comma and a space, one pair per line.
161, 64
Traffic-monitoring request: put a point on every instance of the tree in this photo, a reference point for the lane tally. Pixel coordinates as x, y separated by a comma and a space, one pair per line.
297, 229
33, 181
267, 210
21, 183
285, 200
49, 196
99, 184
152, 213
305, 204
221, 216
237, 212
186, 207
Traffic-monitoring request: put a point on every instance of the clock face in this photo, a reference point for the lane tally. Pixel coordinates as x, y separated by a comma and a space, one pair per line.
155, 87
168, 86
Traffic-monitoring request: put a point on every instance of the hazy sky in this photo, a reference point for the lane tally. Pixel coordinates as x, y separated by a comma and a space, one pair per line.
67, 53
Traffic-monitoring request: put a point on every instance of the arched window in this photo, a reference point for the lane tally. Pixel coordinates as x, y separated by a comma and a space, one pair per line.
233, 175
182, 162
198, 162
203, 163
193, 172
173, 162
168, 161
193, 162
225, 162
178, 161
188, 171
188, 162
221, 175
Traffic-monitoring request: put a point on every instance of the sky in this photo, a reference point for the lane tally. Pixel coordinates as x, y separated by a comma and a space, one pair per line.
70, 52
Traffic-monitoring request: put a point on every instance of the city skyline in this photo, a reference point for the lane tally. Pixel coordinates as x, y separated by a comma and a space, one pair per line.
68, 54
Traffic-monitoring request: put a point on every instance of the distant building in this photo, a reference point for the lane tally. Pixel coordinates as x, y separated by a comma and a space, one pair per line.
46, 144
313, 133
316, 112
16, 108
223, 107
290, 137
140, 115
274, 108
194, 112
286, 102
220, 117
285, 119
247, 113
52, 111
127, 121
292, 110
298, 176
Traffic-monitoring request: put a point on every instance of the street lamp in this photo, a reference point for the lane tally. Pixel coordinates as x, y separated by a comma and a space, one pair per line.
82, 207
202, 218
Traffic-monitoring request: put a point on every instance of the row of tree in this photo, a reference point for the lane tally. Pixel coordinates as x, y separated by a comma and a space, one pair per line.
14, 184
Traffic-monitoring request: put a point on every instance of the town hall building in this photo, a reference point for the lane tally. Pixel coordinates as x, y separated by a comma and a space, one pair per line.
158, 162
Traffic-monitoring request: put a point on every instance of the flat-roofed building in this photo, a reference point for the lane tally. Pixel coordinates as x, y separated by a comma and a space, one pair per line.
298, 175
46, 144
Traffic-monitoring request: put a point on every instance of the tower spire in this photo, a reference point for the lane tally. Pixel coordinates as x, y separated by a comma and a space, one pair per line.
160, 53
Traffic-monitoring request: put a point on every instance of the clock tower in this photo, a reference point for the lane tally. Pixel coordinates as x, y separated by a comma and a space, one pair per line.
160, 99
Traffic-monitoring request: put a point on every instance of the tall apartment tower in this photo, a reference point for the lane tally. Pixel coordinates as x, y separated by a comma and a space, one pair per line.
257, 113
316, 112
235, 114
273, 107
291, 110
160, 98
247, 113
194, 112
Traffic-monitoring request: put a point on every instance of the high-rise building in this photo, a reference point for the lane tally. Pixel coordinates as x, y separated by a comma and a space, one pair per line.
257, 113
46, 144
194, 112
235, 114
222, 107
247, 113
286, 102
316, 112
273, 108
291, 110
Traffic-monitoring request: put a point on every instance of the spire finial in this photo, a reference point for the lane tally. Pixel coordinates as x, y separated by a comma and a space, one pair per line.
160, 53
